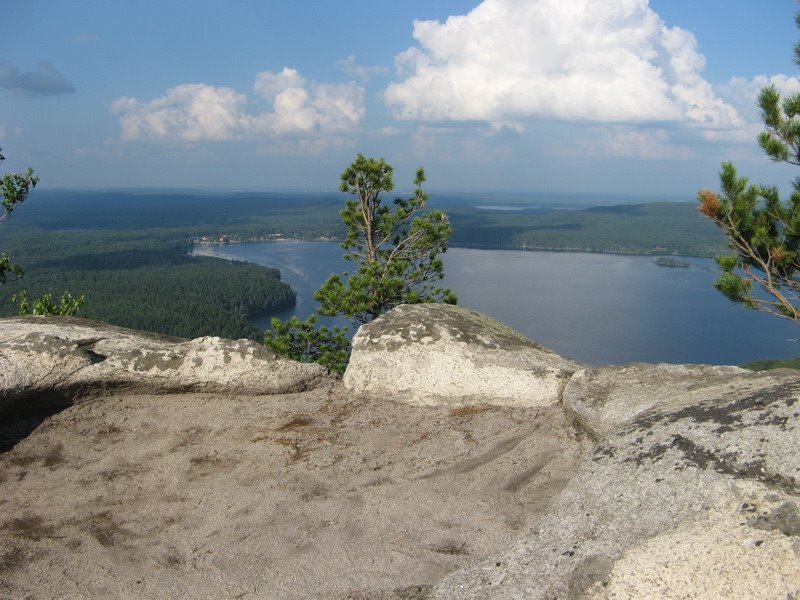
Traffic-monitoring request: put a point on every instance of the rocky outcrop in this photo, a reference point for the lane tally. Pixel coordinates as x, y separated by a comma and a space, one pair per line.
600, 399
686, 486
319, 494
435, 353
60, 359
695, 501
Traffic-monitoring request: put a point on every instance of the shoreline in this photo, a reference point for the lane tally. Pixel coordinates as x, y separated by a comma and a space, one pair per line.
464, 246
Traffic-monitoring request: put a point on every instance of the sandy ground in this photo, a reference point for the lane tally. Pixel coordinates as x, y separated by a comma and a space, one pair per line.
313, 495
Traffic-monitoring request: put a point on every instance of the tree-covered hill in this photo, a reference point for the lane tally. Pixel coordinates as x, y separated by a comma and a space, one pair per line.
144, 280
650, 228
654, 228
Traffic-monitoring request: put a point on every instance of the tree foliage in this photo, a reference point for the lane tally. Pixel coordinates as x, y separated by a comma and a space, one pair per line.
397, 249
304, 341
762, 231
14, 189
397, 252
67, 305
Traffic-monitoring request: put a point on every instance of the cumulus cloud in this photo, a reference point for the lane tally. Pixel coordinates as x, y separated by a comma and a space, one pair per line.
505, 127
198, 111
189, 112
743, 95
608, 61
46, 80
390, 131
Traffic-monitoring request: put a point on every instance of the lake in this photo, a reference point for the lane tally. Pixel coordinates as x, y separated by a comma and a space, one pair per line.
595, 308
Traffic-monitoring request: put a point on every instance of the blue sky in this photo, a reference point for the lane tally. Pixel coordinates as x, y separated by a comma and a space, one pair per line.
611, 96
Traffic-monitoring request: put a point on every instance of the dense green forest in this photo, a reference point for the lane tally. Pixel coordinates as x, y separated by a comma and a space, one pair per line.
144, 280
127, 252
242, 216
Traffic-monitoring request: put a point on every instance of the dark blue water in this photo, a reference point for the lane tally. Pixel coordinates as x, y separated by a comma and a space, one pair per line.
596, 308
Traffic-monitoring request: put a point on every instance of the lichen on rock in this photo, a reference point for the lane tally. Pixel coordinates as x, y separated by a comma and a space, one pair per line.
437, 353
70, 359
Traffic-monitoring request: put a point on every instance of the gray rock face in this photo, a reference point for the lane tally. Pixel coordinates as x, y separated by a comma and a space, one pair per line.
700, 501
61, 359
435, 353
601, 399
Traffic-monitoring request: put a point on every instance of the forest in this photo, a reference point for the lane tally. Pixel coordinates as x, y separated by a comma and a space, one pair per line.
144, 280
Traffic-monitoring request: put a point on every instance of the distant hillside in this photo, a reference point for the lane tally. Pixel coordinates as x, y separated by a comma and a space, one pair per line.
653, 228
185, 215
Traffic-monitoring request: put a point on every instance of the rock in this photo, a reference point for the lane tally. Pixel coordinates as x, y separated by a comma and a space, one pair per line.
436, 353
600, 399
699, 501
692, 492
58, 360
313, 495
711, 556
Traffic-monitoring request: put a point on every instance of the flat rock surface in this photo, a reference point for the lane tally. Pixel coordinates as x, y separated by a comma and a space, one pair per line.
321, 494
700, 501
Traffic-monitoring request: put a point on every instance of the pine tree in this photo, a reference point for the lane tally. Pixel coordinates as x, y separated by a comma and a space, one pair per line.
14, 189
762, 231
397, 251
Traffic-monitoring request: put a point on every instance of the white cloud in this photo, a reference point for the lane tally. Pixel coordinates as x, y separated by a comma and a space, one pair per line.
189, 112
198, 111
743, 94
269, 85
505, 127
611, 61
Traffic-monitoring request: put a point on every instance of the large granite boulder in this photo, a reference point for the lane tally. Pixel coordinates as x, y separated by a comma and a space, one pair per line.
436, 353
600, 399
696, 501
51, 360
